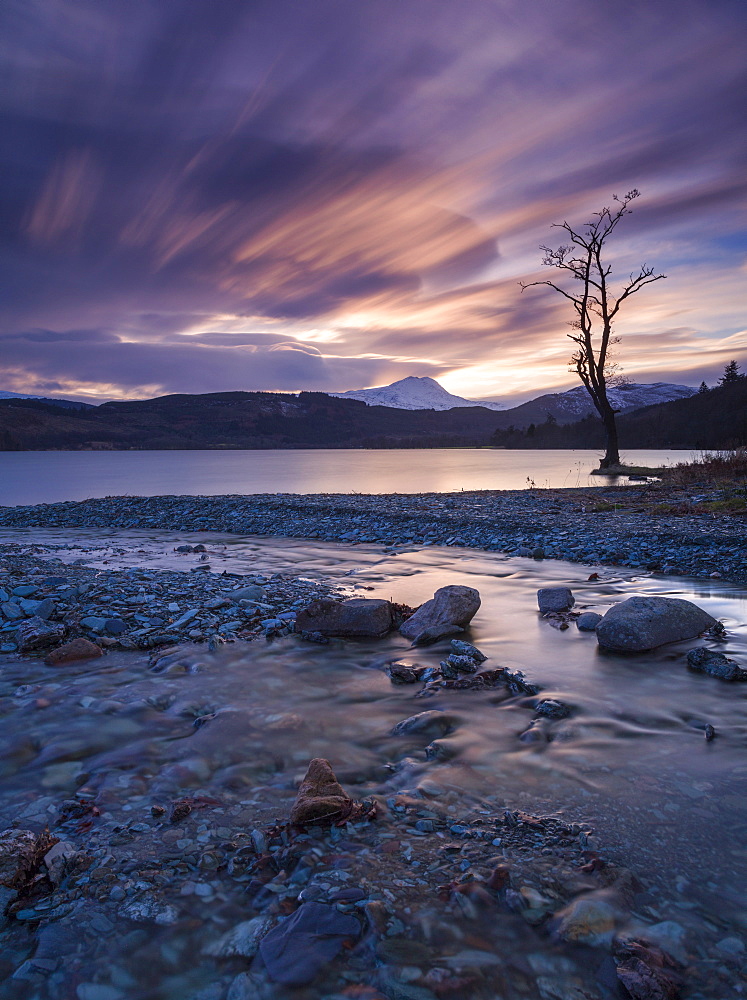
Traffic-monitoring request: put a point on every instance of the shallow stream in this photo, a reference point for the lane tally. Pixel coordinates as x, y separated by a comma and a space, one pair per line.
630, 764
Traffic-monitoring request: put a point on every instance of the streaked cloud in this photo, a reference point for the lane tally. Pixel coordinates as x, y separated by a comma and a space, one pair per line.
203, 195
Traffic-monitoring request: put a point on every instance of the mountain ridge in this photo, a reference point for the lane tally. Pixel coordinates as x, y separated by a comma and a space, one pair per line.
417, 392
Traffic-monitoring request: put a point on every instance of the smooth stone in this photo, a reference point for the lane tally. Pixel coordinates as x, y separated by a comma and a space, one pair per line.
94, 622
77, 649
642, 623
430, 723
555, 599
115, 626
590, 919
295, 951
12, 611
588, 621
453, 605
243, 939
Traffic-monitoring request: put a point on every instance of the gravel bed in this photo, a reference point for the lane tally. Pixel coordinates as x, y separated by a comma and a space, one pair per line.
139, 609
617, 525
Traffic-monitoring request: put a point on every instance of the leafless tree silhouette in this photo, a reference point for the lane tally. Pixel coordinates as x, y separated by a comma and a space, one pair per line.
596, 307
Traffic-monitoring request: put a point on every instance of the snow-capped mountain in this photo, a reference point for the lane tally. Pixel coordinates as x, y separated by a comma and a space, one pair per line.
67, 404
424, 393
576, 403
413, 393
6, 394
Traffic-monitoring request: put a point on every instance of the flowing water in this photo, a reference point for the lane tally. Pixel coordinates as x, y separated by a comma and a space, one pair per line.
31, 477
631, 762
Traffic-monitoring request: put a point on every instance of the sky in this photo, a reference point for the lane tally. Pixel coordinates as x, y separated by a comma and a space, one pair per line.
211, 195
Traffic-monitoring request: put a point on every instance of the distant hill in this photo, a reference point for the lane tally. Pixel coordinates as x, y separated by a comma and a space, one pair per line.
568, 407
708, 420
713, 419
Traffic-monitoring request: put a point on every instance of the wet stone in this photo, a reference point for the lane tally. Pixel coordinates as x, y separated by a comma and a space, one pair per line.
297, 950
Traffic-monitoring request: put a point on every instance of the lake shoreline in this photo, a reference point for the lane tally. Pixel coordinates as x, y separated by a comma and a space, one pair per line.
655, 527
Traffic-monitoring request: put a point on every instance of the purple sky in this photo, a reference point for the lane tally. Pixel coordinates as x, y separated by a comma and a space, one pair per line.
202, 195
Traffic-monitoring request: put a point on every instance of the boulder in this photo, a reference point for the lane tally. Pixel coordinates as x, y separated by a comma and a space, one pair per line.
320, 796
449, 606
300, 947
358, 617
554, 599
588, 621
642, 623
709, 661
77, 649
35, 635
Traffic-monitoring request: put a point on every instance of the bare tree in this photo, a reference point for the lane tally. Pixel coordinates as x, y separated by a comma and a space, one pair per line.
596, 307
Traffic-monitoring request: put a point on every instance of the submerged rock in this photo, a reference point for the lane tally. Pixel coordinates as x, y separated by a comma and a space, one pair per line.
296, 950
432, 722
551, 709
430, 635
77, 649
709, 661
243, 939
554, 599
588, 621
642, 623
449, 606
359, 616
590, 919
320, 796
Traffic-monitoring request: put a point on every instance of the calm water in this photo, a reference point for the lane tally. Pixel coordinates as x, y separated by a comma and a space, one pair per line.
49, 477
631, 761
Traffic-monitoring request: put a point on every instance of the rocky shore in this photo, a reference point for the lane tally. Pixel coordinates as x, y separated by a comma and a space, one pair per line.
661, 528
44, 601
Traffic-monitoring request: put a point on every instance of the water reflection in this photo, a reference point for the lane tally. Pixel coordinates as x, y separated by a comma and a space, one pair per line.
49, 477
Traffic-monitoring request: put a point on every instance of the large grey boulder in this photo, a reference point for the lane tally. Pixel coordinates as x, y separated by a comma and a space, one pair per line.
642, 623
554, 599
359, 617
449, 606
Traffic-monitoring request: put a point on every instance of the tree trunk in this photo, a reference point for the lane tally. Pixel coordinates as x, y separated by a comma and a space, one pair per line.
612, 454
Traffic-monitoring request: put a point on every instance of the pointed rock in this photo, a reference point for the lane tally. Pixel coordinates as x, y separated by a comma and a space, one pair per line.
320, 797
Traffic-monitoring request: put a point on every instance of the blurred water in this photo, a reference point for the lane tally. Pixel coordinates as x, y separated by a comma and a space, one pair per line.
48, 477
631, 761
